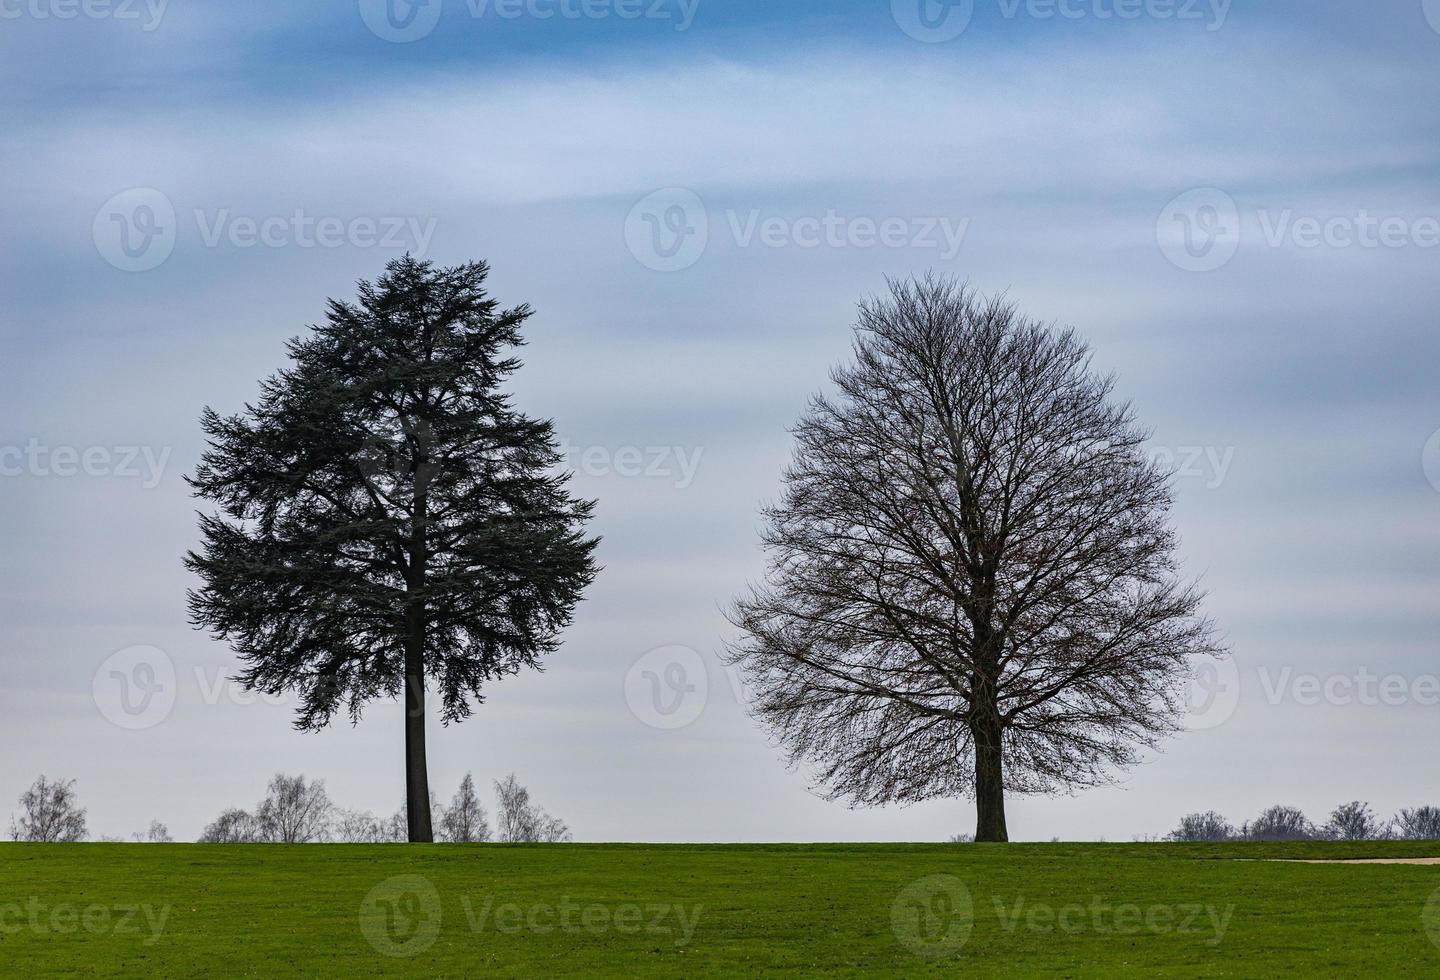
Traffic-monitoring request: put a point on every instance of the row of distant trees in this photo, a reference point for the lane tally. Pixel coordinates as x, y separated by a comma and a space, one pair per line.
1348, 821
299, 811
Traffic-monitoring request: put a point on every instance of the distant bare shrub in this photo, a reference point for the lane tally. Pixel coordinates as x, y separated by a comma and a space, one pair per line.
158, 833
463, 821
234, 826
1207, 826
1355, 821
362, 827
50, 812
295, 811
1421, 823
517, 819
1280, 823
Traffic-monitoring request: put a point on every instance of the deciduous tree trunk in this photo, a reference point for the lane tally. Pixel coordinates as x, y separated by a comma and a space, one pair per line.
989, 779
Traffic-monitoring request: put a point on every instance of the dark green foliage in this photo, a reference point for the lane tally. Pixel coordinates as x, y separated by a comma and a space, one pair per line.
383, 496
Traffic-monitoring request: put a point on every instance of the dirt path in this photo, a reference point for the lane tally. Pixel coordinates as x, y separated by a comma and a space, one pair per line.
1431, 860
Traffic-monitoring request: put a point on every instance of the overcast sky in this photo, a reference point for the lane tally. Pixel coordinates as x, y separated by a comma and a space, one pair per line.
1237, 205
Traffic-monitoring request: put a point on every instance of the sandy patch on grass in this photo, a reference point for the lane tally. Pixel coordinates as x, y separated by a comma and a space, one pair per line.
1434, 860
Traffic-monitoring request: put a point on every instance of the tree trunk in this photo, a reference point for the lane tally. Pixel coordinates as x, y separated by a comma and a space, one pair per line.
417, 775
989, 779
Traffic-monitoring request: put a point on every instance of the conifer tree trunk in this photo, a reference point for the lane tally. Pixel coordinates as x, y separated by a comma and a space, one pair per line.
417, 774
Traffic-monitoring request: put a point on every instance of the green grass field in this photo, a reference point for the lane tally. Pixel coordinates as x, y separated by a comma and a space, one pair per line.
899, 909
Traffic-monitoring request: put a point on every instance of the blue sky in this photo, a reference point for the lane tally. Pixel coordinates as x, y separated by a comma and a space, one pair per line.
1286, 359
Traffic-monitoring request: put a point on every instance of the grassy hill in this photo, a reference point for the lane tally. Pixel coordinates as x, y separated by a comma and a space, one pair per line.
899, 909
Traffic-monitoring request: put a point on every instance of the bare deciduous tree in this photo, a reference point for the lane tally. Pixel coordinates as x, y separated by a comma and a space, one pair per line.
1208, 826
50, 812
518, 820
463, 821
295, 811
1355, 821
972, 581
1421, 823
234, 826
157, 833
363, 827
1280, 823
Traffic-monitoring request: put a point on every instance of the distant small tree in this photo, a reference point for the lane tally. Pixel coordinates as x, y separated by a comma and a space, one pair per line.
1355, 821
234, 826
295, 811
518, 820
463, 821
1421, 823
1280, 823
1208, 826
361, 827
158, 833
49, 813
